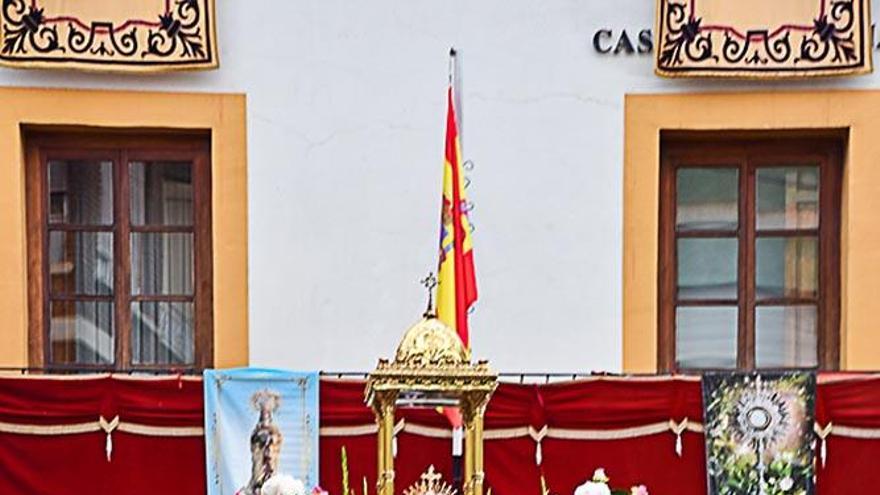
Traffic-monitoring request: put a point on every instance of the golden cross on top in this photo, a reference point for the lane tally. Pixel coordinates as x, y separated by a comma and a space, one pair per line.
429, 283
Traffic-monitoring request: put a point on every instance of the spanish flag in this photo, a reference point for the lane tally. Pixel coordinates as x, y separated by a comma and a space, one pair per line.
457, 283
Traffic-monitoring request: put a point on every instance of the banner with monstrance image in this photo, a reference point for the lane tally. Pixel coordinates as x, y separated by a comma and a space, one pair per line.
759, 433
261, 431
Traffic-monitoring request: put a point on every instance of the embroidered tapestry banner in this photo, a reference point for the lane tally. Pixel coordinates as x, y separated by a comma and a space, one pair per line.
261, 430
759, 433
761, 39
109, 35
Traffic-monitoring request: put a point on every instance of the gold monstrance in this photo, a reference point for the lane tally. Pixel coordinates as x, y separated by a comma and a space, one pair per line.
431, 368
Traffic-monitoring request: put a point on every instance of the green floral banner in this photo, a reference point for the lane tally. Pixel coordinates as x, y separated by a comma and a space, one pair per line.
759, 433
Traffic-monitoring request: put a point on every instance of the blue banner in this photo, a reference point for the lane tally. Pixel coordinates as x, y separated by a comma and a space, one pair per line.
261, 429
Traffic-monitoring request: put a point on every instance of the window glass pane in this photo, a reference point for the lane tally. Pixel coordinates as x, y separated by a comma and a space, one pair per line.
162, 263
707, 268
161, 193
786, 337
81, 262
705, 337
787, 267
162, 333
707, 198
81, 192
788, 198
81, 332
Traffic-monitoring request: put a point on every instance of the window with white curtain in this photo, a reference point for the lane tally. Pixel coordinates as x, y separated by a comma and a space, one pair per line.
121, 237
749, 254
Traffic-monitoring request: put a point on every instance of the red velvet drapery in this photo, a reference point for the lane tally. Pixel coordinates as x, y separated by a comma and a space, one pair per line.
76, 464
600, 404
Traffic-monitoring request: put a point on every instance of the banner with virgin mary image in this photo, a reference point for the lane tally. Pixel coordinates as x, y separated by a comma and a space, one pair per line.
759, 433
261, 431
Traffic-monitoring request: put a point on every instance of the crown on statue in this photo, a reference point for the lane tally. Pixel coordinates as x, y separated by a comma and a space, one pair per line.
266, 401
430, 483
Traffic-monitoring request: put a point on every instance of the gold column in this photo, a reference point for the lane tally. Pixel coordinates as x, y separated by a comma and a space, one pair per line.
477, 440
468, 455
385, 458
380, 454
473, 409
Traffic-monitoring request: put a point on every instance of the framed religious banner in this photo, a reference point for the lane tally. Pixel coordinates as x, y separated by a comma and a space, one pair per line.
109, 35
261, 431
759, 432
746, 39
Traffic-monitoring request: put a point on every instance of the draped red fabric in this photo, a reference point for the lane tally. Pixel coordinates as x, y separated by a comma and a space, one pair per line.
142, 465
342, 404
158, 401
415, 453
514, 405
648, 460
51, 401
67, 465
851, 464
77, 464
361, 451
609, 404
851, 402
510, 463
149, 465
621, 403
511, 468
851, 467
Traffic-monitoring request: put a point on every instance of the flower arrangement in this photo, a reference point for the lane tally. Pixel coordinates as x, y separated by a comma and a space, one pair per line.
598, 485
282, 484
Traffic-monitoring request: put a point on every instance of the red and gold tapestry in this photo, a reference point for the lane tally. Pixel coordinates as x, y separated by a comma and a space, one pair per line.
108, 35
760, 39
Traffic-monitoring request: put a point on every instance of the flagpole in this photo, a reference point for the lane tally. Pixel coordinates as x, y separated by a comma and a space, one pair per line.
452, 55
457, 432
454, 83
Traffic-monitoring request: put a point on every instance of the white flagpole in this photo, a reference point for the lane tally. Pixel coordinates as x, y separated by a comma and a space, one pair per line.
455, 84
457, 432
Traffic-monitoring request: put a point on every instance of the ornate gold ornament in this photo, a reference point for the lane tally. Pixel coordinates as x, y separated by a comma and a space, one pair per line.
430, 483
431, 368
431, 343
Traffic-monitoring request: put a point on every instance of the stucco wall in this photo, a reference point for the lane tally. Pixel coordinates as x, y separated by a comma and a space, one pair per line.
345, 122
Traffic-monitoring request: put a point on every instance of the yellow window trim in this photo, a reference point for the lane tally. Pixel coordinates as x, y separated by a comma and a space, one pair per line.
224, 115
648, 115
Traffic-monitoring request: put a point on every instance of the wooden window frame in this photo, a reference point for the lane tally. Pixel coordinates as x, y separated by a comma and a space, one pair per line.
747, 154
122, 147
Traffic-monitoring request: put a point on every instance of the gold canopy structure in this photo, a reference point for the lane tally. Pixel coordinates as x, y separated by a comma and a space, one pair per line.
431, 368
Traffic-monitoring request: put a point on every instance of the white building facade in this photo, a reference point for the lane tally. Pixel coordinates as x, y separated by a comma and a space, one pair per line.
345, 128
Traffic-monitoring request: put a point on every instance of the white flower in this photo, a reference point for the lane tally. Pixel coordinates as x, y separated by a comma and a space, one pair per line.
786, 484
283, 484
639, 490
593, 488
599, 476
